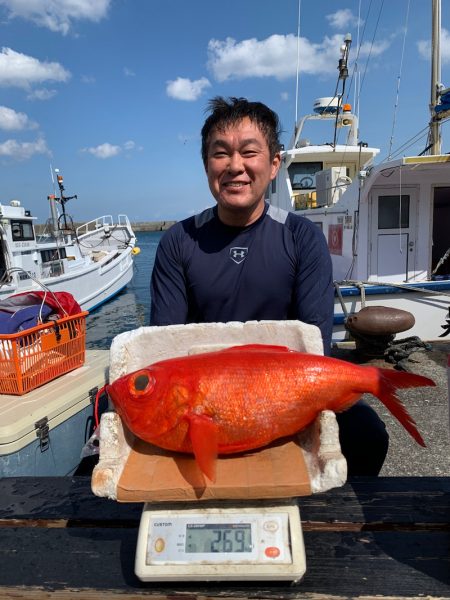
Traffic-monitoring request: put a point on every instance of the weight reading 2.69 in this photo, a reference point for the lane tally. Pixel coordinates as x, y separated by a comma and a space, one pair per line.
218, 537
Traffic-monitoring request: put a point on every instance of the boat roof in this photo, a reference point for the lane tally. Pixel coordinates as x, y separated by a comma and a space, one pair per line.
15, 211
342, 153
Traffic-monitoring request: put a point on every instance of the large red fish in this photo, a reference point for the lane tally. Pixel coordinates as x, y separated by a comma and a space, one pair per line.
245, 397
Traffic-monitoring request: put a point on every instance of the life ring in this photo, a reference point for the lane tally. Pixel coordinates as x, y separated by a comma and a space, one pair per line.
306, 182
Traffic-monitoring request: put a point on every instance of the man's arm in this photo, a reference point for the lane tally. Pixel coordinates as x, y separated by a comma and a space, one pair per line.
169, 304
314, 290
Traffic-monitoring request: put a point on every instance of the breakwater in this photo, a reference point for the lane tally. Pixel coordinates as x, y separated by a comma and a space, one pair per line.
152, 225
138, 226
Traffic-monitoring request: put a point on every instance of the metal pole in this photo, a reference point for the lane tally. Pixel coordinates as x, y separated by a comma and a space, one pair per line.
435, 129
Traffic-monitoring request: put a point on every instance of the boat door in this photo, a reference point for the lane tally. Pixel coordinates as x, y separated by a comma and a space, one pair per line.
440, 261
3, 255
393, 230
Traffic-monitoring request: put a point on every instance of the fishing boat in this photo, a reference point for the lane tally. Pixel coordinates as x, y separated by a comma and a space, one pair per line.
43, 432
387, 224
92, 261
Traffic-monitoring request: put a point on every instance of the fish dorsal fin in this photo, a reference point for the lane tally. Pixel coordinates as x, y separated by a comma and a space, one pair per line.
258, 348
204, 437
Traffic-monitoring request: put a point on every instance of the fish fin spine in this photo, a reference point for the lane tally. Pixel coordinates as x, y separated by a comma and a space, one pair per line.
258, 348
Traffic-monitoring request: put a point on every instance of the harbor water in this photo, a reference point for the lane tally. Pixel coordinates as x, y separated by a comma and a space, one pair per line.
131, 308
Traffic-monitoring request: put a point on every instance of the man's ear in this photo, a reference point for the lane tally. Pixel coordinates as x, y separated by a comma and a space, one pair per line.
276, 162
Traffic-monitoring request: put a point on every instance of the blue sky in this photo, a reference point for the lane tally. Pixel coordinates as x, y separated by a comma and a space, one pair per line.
113, 92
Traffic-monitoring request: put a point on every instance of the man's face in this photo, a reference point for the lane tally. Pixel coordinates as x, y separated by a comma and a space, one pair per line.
239, 169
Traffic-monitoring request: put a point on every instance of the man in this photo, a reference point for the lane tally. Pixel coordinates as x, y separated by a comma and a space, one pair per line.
244, 260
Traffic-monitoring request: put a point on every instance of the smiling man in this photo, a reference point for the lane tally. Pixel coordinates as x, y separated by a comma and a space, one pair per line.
244, 260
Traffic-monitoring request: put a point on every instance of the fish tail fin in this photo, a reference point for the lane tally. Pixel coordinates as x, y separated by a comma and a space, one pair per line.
388, 382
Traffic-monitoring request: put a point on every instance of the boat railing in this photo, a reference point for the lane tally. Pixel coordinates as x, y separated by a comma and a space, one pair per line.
100, 222
124, 221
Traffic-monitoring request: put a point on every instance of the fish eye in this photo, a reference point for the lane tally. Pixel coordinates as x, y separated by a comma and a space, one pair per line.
142, 383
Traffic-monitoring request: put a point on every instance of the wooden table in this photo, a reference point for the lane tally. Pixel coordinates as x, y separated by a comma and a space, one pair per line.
388, 537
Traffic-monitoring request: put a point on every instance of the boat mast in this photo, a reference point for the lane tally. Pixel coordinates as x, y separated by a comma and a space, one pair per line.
435, 126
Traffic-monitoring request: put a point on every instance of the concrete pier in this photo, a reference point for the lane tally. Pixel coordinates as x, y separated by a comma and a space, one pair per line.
428, 406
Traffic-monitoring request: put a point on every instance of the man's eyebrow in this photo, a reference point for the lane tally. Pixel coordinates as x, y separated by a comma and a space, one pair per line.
221, 142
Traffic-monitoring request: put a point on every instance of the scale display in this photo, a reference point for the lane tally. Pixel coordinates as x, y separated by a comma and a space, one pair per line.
218, 537
241, 543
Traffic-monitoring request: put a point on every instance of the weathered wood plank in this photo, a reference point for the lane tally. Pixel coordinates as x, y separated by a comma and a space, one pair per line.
342, 563
384, 537
365, 500
87, 594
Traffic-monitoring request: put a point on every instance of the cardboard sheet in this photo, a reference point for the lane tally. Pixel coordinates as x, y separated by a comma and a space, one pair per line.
152, 475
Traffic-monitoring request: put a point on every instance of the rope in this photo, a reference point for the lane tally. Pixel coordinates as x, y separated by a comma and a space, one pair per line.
442, 261
341, 299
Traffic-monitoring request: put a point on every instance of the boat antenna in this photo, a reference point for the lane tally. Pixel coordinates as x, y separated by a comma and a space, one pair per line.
53, 179
356, 69
394, 119
435, 128
62, 200
343, 74
298, 62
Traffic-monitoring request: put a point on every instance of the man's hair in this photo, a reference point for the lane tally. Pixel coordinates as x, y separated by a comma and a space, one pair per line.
226, 112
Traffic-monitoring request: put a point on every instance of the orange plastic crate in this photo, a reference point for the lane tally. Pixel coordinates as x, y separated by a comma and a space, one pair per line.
35, 356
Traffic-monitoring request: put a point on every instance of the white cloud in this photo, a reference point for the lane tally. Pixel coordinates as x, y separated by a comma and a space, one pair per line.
57, 15
285, 96
276, 56
11, 120
23, 150
130, 145
108, 150
185, 89
105, 150
128, 72
87, 79
20, 70
376, 50
424, 47
41, 94
342, 18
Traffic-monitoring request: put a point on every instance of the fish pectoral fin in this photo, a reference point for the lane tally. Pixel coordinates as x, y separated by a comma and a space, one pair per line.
204, 437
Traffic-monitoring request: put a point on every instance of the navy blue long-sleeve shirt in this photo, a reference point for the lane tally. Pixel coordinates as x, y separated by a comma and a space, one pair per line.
279, 267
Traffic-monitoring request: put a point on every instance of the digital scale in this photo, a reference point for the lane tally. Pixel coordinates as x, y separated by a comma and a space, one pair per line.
229, 542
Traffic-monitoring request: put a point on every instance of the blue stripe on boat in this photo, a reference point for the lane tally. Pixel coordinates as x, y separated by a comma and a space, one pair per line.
339, 319
108, 298
436, 286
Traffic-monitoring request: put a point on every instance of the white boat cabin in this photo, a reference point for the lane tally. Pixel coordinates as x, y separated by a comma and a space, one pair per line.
384, 223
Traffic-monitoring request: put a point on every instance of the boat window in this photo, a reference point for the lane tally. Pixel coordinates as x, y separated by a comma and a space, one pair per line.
22, 231
51, 255
303, 175
393, 212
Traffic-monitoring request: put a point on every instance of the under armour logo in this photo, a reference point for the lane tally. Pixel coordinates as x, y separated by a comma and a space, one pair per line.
238, 254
